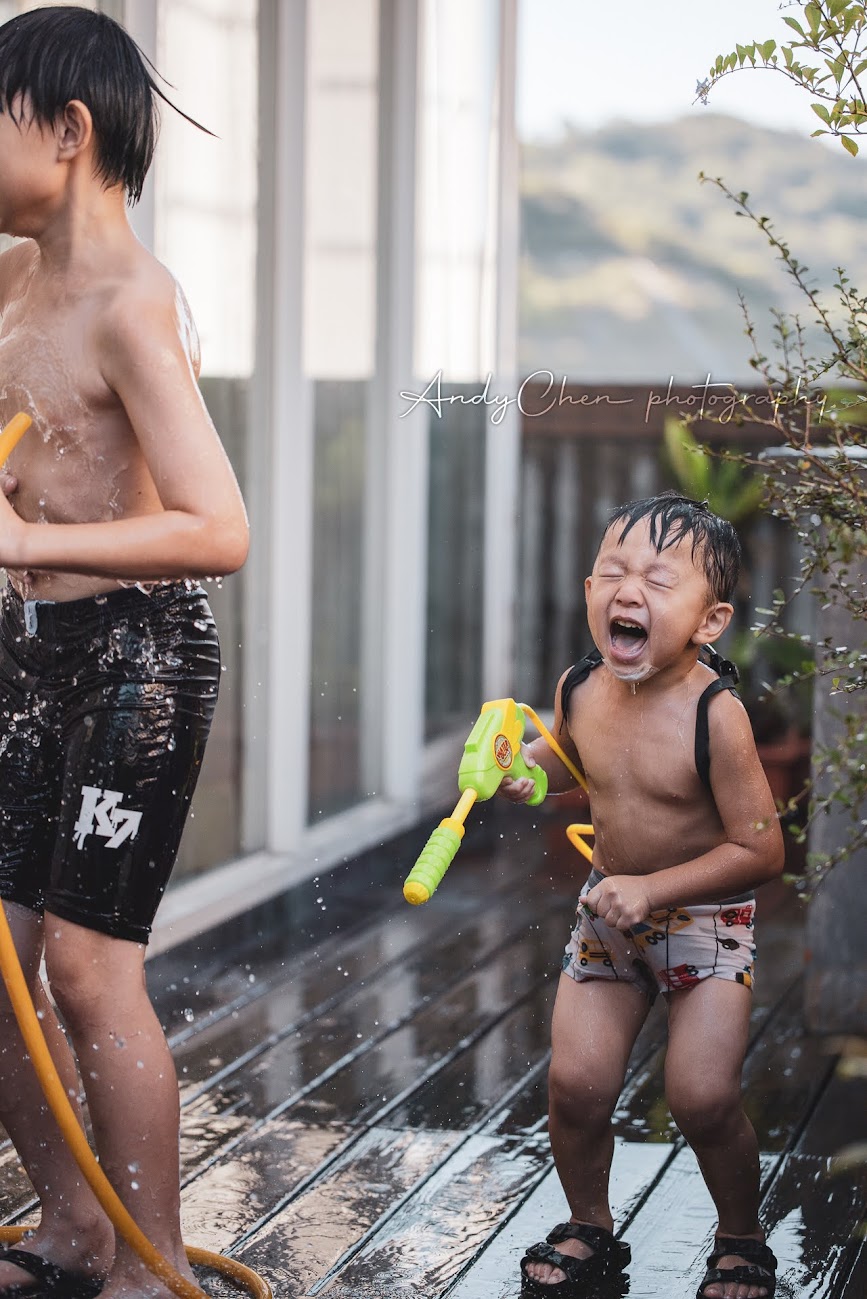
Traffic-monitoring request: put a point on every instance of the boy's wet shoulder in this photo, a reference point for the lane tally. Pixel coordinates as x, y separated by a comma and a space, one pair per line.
16, 265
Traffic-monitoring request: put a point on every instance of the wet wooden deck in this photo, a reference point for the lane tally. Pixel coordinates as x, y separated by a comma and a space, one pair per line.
363, 1093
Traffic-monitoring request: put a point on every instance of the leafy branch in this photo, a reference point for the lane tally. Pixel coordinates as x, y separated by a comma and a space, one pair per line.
835, 31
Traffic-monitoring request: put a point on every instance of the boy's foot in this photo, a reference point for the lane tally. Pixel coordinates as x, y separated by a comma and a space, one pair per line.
40, 1263
740, 1267
589, 1255
134, 1280
35, 1276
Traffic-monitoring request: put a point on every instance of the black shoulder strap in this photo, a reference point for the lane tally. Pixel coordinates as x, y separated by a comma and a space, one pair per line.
728, 679
579, 672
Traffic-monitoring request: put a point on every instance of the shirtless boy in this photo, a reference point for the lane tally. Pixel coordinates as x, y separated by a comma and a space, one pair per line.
684, 832
118, 497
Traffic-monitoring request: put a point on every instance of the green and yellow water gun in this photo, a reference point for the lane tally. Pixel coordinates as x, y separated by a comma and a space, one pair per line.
492, 751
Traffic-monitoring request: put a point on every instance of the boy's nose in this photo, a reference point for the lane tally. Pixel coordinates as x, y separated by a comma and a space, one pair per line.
628, 593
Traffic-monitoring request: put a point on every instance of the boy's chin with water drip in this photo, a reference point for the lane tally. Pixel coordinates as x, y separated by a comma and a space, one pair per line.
626, 651
632, 675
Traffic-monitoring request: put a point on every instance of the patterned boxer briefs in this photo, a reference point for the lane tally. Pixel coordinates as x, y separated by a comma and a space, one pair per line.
673, 949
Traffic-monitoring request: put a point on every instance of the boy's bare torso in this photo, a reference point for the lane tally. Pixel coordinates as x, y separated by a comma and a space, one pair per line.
81, 461
650, 809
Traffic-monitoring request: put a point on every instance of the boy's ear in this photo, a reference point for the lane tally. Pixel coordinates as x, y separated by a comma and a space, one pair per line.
74, 130
714, 623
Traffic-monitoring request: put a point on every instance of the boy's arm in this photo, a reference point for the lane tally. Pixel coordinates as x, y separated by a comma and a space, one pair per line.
539, 751
752, 854
202, 529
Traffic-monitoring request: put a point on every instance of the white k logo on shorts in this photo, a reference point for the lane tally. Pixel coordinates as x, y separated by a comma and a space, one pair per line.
101, 813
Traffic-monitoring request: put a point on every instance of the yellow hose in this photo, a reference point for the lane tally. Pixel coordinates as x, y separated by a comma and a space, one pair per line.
574, 833
543, 730
58, 1102
13, 433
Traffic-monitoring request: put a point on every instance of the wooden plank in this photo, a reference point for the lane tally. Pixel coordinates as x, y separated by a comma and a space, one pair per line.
784, 1075
466, 1091
16, 1190
377, 1042
852, 1284
232, 1138
811, 1220
390, 991
349, 1156
424, 1244
218, 1209
493, 1274
327, 1214
840, 1117
188, 1009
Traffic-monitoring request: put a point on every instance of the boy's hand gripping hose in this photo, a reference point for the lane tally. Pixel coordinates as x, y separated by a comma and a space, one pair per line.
58, 1101
492, 751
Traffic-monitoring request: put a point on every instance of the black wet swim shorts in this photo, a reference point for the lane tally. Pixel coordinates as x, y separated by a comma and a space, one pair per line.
105, 707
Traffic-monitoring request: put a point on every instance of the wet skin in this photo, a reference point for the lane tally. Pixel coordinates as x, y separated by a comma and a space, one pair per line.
661, 838
81, 461
123, 475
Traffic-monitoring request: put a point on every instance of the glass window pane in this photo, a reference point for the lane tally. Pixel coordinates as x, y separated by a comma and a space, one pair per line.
206, 187
339, 339
205, 232
457, 197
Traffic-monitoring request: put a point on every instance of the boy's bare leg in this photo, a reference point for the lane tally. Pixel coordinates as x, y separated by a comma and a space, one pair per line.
708, 1034
73, 1230
131, 1086
594, 1028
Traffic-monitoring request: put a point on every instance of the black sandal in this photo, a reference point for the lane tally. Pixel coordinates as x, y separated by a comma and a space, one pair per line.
50, 1280
583, 1275
759, 1269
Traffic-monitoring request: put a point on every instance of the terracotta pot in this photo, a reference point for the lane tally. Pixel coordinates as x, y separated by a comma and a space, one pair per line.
787, 764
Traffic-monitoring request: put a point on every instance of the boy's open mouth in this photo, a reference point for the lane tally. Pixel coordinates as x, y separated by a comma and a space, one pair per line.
628, 638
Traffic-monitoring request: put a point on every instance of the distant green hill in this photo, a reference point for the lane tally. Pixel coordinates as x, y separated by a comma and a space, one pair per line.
630, 267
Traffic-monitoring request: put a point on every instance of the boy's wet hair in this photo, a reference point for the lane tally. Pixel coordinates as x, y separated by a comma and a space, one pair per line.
52, 55
671, 518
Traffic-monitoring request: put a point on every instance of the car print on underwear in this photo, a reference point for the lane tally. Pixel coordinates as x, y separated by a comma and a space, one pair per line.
593, 952
681, 976
645, 935
737, 916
